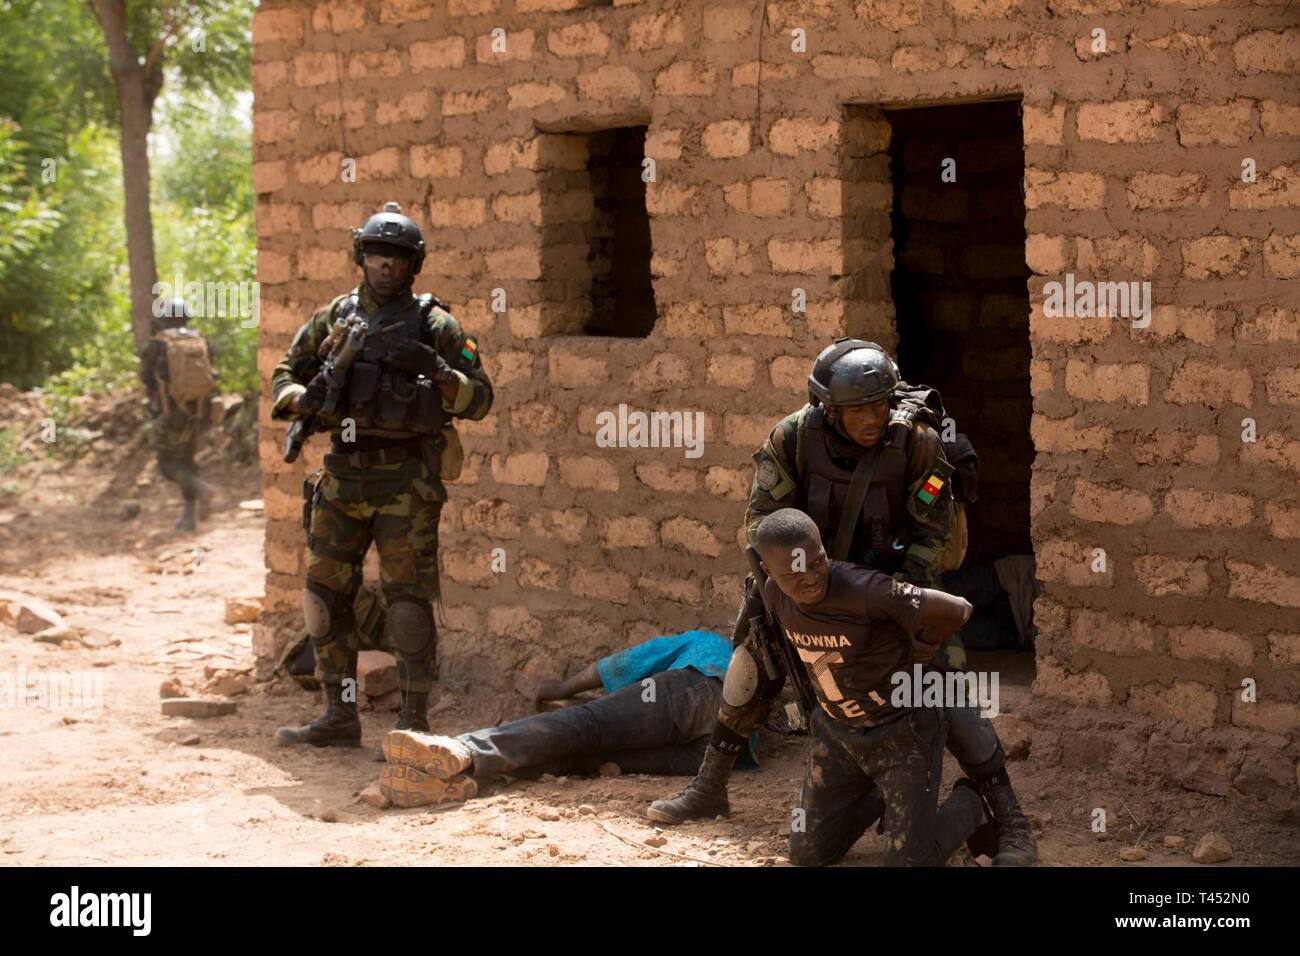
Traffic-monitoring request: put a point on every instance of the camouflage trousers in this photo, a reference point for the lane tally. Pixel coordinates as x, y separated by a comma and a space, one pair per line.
397, 508
176, 441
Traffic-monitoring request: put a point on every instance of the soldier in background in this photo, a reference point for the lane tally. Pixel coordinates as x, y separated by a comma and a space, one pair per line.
177, 371
384, 372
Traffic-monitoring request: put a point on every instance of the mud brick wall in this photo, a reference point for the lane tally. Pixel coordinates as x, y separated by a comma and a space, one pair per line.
1133, 161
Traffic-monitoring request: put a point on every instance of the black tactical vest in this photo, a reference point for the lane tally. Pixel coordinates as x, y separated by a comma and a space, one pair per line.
376, 395
823, 486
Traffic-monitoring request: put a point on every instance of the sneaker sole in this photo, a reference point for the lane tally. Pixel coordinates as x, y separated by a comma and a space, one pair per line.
408, 787
410, 748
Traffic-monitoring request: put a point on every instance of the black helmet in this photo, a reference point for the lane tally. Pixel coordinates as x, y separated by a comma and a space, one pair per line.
391, 228
171, 313
852, 372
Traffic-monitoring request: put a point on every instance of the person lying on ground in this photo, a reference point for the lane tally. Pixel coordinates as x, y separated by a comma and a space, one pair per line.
661, 698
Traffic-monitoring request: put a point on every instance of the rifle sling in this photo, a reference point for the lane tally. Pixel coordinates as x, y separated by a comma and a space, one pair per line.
853, 502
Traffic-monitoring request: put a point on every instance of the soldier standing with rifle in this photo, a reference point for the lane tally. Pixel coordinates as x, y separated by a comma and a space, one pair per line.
861, 462
384, 372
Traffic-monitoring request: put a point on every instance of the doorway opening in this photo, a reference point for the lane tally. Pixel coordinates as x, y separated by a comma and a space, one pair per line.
961, 300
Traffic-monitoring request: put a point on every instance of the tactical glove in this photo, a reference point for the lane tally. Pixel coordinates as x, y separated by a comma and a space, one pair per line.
312, 400
419, 358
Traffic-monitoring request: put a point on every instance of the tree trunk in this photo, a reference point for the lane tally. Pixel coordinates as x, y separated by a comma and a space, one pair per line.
137, 87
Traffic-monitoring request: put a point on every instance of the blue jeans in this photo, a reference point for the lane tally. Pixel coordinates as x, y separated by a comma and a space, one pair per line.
657, 728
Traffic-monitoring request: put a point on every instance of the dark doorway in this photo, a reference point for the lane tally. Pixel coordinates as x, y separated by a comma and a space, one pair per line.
961, 296
962, 310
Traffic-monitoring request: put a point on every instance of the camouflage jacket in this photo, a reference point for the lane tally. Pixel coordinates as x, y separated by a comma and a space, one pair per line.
930, 525
301, 363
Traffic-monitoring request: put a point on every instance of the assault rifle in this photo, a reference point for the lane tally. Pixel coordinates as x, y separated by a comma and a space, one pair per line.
337, 352
777, 658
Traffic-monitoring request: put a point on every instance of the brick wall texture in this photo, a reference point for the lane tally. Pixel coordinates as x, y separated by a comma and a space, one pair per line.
773, 174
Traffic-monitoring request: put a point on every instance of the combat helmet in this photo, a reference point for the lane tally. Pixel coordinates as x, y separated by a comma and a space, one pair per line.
171, 314
852, 372
392, 228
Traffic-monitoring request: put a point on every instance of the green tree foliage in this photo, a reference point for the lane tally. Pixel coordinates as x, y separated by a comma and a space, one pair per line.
65, 317
60, 263
56, 79
203, 225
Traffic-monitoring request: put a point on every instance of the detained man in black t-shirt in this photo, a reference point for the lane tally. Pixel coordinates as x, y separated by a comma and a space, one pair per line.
854, 628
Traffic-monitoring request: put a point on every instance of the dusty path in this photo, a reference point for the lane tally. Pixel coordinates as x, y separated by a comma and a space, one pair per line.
128, 786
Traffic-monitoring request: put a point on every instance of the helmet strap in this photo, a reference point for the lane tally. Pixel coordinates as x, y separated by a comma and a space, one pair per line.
833, 419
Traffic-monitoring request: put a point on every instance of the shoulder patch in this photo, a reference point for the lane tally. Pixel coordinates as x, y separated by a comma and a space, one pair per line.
469, 349
769, 476
932, 486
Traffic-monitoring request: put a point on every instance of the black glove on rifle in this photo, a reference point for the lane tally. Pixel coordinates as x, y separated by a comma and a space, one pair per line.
312, 400
419, 358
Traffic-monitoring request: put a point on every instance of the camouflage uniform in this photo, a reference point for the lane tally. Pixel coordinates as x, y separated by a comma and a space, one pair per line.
358, 498
780, 482
900, 532
177, 430
176, 441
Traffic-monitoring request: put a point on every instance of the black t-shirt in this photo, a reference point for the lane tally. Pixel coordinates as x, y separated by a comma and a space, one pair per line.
853, 640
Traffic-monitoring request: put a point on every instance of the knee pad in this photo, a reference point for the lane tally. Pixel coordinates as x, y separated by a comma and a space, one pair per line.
991, 767
741, 681
410, 627
324, 611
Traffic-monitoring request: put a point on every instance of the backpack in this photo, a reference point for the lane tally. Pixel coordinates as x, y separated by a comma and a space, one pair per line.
924, 404
189, 369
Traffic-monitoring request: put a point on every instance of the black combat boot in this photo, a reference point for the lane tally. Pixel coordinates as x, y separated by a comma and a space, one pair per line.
1016, 843
414, 715
186, 522
984, 841
339, 726
705, 797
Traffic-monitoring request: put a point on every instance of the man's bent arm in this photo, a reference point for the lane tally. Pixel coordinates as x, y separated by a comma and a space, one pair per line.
549, 689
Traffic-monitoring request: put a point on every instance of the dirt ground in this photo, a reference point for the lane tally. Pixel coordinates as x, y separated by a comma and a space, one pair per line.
127, 786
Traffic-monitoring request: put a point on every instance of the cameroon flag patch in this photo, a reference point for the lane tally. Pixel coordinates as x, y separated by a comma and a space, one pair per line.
930, 490
469, 351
